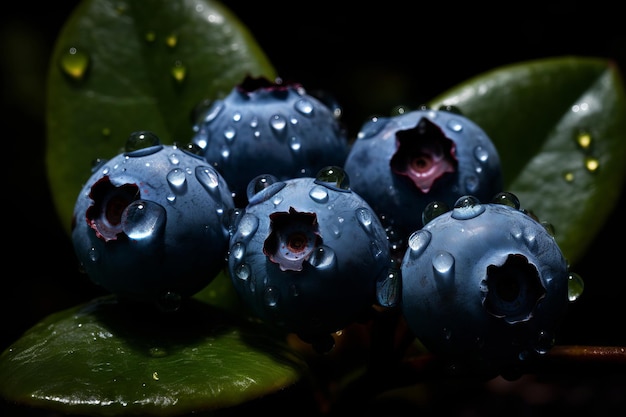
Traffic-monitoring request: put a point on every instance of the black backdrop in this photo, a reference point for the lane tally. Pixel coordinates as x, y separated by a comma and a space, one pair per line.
369, 57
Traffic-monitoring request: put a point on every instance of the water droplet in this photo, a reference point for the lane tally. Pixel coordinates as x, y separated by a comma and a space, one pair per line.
333, 177
172, 40
141, 140
454, 125
507, 198
372, 127
178, 72
238, 251
75, 63
443, 265
450, 109
236, 117
575, 286
319, 194
568, 176
93, 255
418, 242
144, 220
471, 183
584, 140
262, 188
447, 333
434, 209
322, 257
214, 111
295, 144
592, 164
545, 341
549, 228
229, 134
271, 295
208, 178
177, 180
242, 271
365, 218
169, 302
388, 289
481, 154
467, 207
247, 225
304, 106
278, 123
155, 375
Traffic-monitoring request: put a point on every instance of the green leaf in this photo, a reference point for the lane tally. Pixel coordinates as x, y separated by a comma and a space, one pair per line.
540, 114
108, 358
136, 65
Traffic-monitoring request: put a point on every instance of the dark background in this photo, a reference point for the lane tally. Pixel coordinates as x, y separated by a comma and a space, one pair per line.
369, 57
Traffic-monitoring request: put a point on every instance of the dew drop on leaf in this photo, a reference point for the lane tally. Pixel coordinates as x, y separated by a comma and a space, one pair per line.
75, 63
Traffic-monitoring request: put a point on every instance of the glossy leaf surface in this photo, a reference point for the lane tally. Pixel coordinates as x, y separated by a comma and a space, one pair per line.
128, 65
108, 358
559, 125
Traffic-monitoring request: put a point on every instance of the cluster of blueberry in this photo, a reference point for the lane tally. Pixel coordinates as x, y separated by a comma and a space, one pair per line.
315, 231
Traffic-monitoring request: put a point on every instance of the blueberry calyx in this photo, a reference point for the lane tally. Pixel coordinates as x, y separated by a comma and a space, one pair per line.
423, 154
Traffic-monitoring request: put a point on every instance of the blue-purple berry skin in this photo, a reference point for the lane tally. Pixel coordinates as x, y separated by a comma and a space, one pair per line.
147, 225
307, 256
484, 282
399, 164
276, 128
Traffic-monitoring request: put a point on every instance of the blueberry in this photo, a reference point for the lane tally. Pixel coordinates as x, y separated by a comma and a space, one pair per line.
484, 283
308, 254
399, 164
275, 128
148, 225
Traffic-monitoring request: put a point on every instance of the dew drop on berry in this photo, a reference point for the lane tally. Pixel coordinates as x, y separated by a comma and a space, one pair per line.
481, 154
319, 195
545, 341
443, 265
304, 107
372, 127
334, 177
238, 251
75, 63
93, 255
271, 296
295, 144
242, 272
507, 198
208, 178
365, 218
467, 207
278, 123
229, 134
434, 209
141, 140
247, 226
177, 180
418, 242
388, 289
471, 183
455, 125
144, 220
575, 286
322, 257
